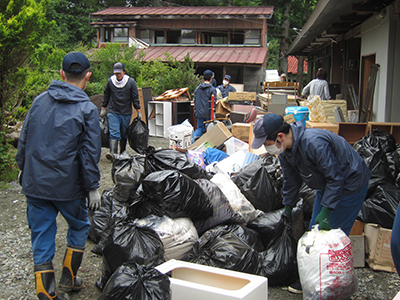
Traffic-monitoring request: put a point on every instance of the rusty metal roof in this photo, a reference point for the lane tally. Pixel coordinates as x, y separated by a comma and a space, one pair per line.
261, 12
293, 64
210, 54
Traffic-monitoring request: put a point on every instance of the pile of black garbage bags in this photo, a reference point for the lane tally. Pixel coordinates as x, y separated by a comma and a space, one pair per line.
163, 206
382, 156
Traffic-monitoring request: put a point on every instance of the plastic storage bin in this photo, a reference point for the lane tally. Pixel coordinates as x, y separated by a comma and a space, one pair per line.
234, 145
300, 113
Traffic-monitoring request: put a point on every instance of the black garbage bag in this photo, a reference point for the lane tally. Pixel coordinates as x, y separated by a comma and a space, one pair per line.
381, 207
132, 281
377, 139
231, 247
266, 224
308, 195
105, 134
279, 262
170, 159
177, 194
223, 213
128, 242
138, 135
258, 186
127, 172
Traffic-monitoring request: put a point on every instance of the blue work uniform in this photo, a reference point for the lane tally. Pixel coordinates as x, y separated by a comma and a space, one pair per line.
202, 106
225, 90
326, 162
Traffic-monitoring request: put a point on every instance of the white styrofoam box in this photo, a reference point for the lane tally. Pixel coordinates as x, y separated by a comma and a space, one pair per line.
234, 145
198, 282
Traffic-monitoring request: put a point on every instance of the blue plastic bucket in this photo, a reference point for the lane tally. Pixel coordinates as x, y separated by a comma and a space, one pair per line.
300, 113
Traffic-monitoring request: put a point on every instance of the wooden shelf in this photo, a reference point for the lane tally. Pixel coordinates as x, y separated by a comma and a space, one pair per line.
393, 128
352, 132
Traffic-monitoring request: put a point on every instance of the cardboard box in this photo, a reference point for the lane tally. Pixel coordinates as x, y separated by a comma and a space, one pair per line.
323, 125
216, 136
239, 107
358, 228
238, 116
241, 131
358, 246
251, 96
198, 282
181, 140
378, 246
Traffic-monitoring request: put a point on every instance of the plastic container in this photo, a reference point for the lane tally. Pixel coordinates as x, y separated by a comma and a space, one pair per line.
300, 113
234, 145
199, 282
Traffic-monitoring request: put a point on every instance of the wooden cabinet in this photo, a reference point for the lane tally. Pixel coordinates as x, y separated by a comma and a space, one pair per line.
352, 132
159, 117
393, 128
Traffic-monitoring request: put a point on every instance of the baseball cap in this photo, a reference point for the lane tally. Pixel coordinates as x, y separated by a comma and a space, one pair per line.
228, 77
264, 126
75, 58
208, 72
119, 67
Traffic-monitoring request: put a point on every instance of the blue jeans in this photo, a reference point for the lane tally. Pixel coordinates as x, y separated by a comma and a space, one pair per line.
395, 241
345, 215
118, 126
201, 127
41, 215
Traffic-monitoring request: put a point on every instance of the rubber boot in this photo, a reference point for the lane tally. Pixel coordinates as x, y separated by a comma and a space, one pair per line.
46, 284
72, 261
122, 145
113, 150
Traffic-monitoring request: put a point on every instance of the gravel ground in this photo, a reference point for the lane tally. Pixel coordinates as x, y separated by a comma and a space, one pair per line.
16, 275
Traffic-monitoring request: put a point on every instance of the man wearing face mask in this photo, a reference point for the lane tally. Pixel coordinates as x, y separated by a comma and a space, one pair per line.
226, 88
325, 162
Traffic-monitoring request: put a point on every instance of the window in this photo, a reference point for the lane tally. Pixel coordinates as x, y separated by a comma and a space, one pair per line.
121, 34
146, 35
173, 36
188, 36
213, 37
252, 37
159, 37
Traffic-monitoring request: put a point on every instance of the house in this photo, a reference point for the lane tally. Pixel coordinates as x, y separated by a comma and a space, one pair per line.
358, 43
293, 62
227, 40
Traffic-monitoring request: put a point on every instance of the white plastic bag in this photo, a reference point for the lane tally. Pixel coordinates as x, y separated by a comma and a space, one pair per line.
325, 263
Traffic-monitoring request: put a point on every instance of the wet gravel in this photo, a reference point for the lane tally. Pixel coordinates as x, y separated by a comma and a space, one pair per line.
16, 266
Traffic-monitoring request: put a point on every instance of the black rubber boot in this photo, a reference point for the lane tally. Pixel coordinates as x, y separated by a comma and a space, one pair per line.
46, 284
72, 261
122, 145
113, 150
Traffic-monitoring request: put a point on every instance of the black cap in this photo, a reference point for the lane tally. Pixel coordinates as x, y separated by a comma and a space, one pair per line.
75, 58
119, 67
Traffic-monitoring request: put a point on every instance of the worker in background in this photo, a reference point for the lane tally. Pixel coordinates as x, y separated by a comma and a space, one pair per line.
202, 103
58, 154
226, 88
318, 86
324, 161
283, 77
213, 80
120, 93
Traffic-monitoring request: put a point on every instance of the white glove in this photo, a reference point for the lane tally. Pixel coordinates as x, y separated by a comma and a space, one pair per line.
103, 112
94, 200
139, 115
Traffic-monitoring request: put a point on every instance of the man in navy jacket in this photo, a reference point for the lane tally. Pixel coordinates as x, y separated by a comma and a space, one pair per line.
58, 154
325, 162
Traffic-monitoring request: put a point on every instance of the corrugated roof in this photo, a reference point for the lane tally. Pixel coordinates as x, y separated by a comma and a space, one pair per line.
210, 54
293, 64
263, 12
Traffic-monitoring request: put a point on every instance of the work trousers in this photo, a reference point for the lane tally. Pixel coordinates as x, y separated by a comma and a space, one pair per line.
395, 241
118, 126
344, 216
201, 128
41, 215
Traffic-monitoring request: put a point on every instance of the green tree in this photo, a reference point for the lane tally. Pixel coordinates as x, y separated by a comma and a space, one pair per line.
22, 26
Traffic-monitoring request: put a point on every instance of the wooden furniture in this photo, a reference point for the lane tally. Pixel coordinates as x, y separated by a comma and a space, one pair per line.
289, 88
323, 125
352, 132
180, 111
391, 127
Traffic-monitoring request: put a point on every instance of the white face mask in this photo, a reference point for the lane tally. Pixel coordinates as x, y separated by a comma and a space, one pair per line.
273, 149
225, 82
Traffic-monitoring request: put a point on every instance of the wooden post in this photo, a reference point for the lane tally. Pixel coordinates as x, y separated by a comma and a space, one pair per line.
142, 108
